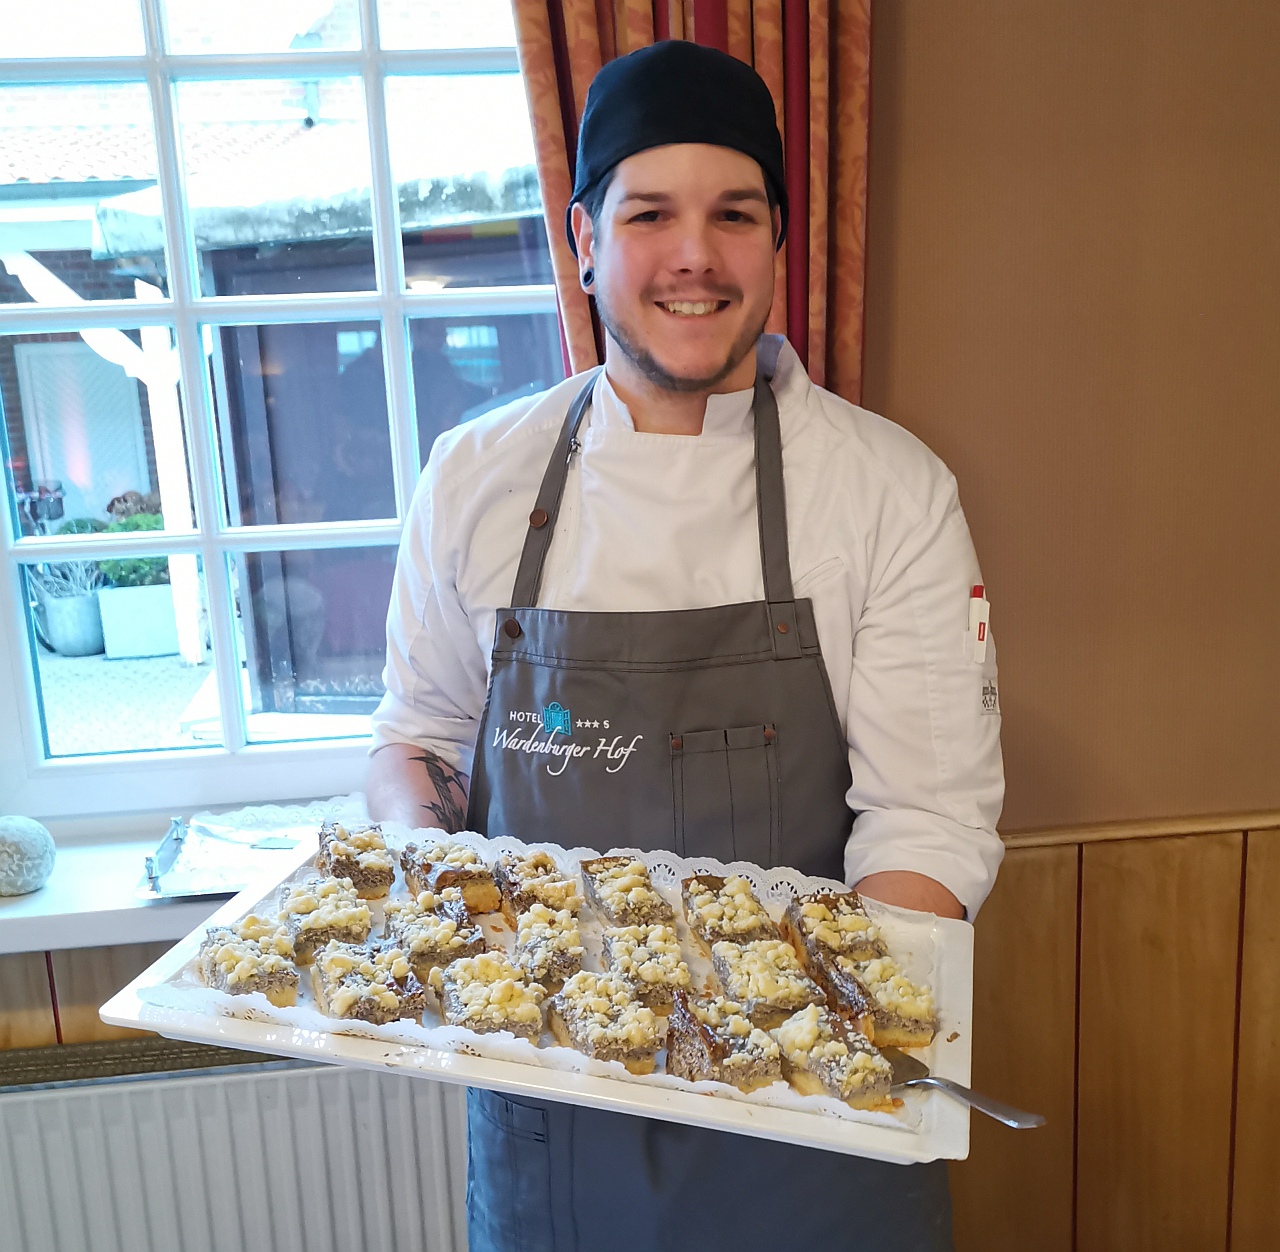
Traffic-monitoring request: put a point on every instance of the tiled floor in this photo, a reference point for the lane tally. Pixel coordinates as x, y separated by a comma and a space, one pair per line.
95, 705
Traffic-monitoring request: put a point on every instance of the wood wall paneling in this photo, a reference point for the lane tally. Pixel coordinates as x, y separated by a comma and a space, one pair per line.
26, 1009
1255, 1199
1015, 1190
86, 978
1158, 960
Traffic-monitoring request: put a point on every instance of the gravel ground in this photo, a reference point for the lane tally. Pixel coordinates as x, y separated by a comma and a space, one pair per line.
95, 705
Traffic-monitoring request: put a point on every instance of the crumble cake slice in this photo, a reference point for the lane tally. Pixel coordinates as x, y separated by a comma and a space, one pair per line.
823, 1055
881, 1001
534, 879
825, 924
360, 854
724, 908
710, 1038
440, 865
620, 888
486, 993
599, 1016
548, 946
766, 978
649, 958
355, 984
433, 929
250, 955
320, 909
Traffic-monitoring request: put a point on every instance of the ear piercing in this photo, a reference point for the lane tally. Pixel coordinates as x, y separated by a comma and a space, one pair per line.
588, 277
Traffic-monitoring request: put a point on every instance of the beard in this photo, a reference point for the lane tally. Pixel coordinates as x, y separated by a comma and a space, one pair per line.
655, 371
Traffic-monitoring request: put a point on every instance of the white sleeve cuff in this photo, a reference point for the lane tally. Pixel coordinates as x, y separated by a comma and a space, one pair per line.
964, 859
451, 739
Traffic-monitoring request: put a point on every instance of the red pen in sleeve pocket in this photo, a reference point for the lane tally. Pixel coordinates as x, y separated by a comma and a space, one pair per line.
979, 623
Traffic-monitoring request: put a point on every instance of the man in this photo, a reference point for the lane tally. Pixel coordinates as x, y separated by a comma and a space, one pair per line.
607, 570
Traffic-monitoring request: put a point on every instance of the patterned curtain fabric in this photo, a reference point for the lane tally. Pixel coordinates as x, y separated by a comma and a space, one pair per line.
814, 55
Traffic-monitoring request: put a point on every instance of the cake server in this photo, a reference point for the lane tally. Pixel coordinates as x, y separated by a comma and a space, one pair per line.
908, 1071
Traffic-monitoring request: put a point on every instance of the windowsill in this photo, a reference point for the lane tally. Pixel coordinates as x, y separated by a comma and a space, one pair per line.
90, 902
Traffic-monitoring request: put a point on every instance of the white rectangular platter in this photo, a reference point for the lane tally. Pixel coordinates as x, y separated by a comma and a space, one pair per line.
166, 998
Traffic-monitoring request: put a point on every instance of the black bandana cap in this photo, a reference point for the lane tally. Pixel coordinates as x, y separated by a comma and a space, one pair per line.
676, 92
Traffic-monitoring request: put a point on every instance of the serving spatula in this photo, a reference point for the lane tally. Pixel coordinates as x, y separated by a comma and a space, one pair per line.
908, 1071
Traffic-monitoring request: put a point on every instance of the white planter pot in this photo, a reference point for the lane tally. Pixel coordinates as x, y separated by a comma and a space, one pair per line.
138, 621
73, 624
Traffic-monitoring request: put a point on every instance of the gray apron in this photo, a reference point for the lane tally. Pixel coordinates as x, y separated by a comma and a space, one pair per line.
707, 732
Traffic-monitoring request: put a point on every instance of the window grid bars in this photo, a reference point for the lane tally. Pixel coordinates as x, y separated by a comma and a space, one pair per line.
197, 412
34, 71
187, 310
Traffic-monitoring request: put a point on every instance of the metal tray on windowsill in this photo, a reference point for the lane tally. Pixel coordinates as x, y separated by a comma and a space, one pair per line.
159, 881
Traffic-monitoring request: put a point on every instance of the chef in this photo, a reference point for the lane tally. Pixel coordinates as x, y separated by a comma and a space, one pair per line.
692, 601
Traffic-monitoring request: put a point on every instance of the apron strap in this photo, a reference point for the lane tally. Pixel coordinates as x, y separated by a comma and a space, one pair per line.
542, 521
771, 514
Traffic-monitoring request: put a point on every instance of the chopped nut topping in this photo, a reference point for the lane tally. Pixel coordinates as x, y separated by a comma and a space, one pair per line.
601, 1010
647, 954
766, 972
351, 973
539, 877
454, 855
622, 885
728, 1018
728, 911
893, 990
489, 989
847, 927
322, 902
814, 1039
239, 960
364, 844
420, 925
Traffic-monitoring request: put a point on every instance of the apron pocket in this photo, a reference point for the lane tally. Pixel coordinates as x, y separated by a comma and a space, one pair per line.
508, 1175
724, 786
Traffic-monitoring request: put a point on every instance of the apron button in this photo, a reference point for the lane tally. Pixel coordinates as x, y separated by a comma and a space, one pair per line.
677, 743
538, 518
783, 628
770, 734
511, 628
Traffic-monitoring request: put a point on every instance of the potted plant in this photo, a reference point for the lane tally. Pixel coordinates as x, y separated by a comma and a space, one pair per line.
67, 615
137, 605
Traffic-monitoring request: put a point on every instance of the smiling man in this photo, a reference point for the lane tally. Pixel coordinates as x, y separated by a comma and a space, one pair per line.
692, 602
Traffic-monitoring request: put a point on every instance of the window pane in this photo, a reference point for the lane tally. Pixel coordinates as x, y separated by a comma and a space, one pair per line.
446, 24
71, 28
277, 184
195, 26
93, 431
302, 418
463, 366
313, 639
74, 161
121, 653
463, 161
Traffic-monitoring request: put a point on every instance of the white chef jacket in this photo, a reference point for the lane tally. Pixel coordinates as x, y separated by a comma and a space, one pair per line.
878, 542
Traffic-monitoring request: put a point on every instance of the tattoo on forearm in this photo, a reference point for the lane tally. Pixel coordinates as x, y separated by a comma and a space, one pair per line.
450, 807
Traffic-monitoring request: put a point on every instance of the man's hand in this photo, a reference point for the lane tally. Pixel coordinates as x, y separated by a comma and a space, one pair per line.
911, 891
415, 786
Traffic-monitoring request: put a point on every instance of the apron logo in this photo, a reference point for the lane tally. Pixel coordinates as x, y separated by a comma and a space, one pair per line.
554, 718
614, 752
990, 700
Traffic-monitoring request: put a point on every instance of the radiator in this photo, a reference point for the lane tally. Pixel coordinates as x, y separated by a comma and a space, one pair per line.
285, 1160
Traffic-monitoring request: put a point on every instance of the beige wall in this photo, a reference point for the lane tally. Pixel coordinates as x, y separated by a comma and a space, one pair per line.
1073, 297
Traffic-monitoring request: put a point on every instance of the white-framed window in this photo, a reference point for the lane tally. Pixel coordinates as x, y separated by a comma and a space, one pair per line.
254, 258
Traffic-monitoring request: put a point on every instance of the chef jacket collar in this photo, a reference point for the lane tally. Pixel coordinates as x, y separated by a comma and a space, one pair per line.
728, 413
